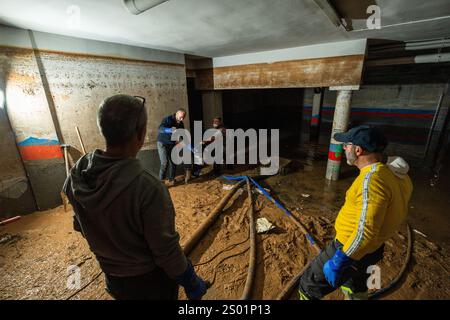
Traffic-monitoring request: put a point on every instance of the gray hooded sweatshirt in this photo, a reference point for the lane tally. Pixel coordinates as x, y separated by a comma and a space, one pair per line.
126, 215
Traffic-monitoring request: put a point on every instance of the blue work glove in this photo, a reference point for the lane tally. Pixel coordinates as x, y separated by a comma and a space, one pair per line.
335, 267
194, 286
168, 130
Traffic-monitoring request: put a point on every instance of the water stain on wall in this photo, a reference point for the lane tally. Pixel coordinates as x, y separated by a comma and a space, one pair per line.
78, 83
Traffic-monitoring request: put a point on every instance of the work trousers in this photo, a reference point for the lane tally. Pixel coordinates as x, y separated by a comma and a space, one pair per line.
164, 152
155, 285
314, 286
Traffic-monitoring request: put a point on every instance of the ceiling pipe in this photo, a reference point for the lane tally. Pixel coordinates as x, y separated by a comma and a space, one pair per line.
432, 58
418, 45
426, 58
138, 6
406, 23
331, 13
437, 43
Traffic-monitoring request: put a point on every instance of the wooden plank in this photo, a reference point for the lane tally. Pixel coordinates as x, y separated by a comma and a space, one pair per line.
322, 72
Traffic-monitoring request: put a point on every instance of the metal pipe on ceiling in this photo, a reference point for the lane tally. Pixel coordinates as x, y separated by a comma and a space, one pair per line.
437, 43
139, 6
417, 45
426, 58
331, 13
432, 58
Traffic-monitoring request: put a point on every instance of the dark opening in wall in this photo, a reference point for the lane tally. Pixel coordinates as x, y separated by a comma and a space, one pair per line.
265, 109
194, 101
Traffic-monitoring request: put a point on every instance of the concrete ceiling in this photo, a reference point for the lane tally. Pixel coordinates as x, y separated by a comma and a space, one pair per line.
226, 27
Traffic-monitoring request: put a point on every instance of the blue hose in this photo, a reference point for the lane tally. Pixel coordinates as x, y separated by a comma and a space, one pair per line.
268, 196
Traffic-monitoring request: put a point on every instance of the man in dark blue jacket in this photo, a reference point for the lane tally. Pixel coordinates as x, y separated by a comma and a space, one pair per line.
165, 144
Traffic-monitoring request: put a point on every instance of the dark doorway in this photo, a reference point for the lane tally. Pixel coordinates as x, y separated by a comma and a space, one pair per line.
265, 109
195, 102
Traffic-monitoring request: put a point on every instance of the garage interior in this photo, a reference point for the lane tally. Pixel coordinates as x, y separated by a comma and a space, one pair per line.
294, 65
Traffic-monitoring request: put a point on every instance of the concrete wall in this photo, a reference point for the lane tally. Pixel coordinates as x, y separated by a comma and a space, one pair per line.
318, 51
50, 89
323, 65
405, 113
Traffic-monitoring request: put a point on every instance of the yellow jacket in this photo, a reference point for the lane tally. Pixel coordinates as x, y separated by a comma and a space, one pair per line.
375, 206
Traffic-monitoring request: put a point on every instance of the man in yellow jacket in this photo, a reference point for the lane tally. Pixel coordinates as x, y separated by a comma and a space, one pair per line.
375, 206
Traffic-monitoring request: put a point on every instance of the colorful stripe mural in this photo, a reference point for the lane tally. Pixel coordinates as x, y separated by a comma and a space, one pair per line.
39, 149
336, 152
417, 121
383, 112
315, 120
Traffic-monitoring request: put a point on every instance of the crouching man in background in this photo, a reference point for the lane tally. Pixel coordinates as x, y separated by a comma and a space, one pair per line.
126, 214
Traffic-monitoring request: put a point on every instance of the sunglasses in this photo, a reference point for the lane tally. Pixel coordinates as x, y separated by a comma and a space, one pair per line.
346, 144
143, 104
142, 99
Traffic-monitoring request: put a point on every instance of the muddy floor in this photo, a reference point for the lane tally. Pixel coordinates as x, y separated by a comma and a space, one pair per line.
36, 251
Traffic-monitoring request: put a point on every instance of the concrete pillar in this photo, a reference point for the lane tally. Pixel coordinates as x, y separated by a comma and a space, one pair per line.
340, 124
316, 114
212, 107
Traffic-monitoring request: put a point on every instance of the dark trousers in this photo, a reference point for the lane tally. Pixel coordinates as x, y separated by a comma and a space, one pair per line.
155, 285
314, 285
217, 168
196, 169
164, 152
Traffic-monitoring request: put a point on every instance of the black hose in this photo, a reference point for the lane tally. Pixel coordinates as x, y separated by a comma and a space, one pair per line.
394, 282
252, 259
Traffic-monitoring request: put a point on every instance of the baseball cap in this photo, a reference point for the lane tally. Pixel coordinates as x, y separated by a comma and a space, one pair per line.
367, 137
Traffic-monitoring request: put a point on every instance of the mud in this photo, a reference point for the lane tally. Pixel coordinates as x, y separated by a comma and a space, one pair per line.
40, 247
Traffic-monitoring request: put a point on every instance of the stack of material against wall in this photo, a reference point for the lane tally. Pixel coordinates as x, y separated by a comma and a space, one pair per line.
77, 83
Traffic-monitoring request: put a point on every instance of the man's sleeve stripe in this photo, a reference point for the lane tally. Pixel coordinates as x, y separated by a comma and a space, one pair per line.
362, 219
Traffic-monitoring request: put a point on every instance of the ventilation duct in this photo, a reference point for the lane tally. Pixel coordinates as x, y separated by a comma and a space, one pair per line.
138, 6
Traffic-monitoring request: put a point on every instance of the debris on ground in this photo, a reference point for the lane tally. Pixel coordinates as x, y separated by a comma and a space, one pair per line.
420, 233
9, 238
263, 225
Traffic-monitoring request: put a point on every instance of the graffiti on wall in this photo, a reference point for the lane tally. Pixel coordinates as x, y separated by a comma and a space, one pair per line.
39, 149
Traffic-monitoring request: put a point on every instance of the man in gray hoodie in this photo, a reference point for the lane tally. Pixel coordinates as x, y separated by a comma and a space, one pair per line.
126, 214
